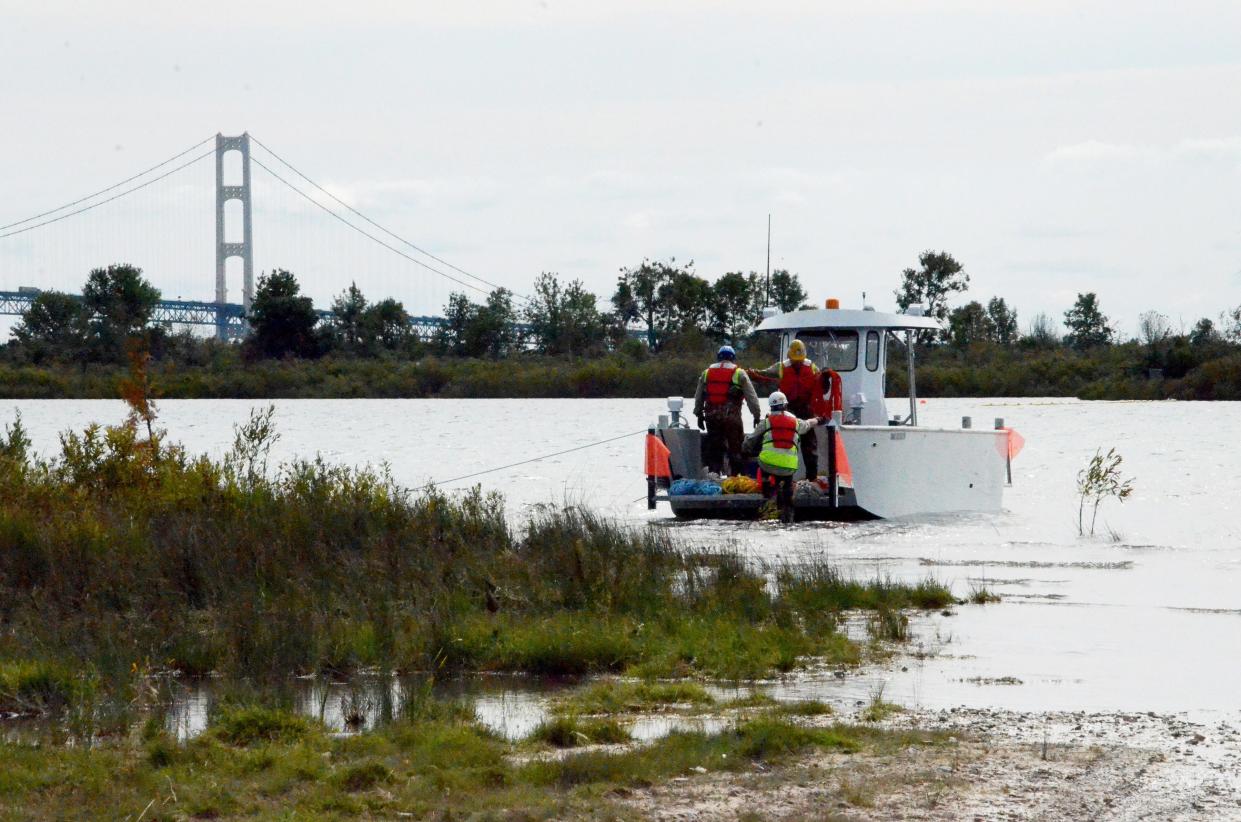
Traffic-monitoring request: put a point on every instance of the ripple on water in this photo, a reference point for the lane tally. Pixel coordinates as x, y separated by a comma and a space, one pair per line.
1121, 565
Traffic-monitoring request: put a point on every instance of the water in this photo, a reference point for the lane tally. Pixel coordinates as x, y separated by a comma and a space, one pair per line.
1147, 619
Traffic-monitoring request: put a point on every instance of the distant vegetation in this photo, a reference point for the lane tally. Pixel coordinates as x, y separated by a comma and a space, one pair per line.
663, 324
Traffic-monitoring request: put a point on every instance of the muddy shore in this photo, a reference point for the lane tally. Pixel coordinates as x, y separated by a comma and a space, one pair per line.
1004, 765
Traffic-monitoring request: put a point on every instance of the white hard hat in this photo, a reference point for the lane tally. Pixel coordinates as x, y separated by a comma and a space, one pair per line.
777, 400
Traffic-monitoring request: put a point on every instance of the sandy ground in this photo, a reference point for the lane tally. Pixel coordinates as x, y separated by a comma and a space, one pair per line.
1004, 766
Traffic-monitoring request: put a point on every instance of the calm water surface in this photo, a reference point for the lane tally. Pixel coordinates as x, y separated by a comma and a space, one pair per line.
1147, 620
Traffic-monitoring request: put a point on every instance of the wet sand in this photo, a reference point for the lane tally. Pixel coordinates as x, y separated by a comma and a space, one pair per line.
1004, 765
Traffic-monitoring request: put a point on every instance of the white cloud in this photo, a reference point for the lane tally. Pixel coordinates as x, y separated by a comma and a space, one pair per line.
1211, 148
1097, 151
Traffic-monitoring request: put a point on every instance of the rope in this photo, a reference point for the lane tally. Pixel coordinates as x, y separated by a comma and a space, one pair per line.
532, 459
110, 199
362, 231
391, 234
109, 188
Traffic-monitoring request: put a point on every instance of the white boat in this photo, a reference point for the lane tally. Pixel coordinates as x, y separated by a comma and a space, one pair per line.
898, 468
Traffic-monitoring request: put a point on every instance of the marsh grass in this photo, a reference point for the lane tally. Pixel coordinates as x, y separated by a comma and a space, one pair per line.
619, 696
982, 595
877, 709
125, 556
248, 763
822, 587
888, 625
809, 707
571, 732
39, 687
760, 740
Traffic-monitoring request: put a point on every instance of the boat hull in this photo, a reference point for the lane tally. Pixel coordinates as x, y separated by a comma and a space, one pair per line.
897, 471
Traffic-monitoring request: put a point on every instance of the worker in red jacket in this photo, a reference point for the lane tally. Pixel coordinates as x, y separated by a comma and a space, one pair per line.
810, 392
722, 388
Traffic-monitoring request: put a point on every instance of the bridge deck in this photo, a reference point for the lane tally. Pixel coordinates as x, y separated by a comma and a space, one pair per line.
229, 319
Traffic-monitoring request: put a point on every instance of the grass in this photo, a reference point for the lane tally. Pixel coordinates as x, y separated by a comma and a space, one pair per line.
618, 697
256, 725
761, 740
436, 768
888, 625
125, 556
981, 595
877, 709
824, 588
38, 687
809, 707
571, 732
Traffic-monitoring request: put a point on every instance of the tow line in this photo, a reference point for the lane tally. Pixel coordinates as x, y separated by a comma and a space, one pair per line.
528, 461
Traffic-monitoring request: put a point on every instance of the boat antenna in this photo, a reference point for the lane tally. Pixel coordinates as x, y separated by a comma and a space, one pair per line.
767, 299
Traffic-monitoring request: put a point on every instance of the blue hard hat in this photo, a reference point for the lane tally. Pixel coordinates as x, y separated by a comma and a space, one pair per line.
726, 352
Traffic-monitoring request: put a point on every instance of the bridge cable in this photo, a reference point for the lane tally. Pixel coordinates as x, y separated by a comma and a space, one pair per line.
110, 199
532, 459
111, 187
392, 234
362, 231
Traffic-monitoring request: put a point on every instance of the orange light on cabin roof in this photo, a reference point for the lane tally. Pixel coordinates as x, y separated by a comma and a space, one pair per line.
832, 302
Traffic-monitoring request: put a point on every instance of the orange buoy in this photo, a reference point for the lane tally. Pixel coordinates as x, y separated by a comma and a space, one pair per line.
657, 457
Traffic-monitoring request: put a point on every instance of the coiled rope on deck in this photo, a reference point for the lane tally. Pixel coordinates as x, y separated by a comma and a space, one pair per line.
530, 460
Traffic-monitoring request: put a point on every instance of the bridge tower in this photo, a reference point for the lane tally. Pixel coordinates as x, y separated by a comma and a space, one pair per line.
225, 250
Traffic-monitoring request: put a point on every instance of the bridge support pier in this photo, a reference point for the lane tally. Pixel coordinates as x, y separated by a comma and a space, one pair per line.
225, 250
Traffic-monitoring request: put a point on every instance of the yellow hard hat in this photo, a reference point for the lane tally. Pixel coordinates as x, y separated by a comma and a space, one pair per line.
797, 351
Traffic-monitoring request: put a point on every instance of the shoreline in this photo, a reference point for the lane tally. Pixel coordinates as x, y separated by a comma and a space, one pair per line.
1002, 765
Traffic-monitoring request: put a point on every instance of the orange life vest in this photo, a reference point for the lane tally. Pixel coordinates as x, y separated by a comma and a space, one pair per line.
783, 430
801, 384
721, 380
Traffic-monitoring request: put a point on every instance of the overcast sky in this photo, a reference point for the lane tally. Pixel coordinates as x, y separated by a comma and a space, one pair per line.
1053, 147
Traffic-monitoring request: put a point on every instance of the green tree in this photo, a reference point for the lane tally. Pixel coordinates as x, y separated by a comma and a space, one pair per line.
493, 332
1004, 320
970, 324
53, 327
563, 319
119, 303
282, 321
1204, 333
938, 275
348, 311
472, 330
385, 325
640, 297
1088, 325
684, 303
734, 298
459, 314
787, 293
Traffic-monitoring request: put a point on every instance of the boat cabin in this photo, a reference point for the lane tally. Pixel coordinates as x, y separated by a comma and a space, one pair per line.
854, 344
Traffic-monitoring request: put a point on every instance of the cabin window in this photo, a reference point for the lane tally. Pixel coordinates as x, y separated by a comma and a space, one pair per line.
872, 350
837, 350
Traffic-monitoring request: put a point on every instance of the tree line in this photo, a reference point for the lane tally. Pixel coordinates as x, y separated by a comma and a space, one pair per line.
656, 307
668, 301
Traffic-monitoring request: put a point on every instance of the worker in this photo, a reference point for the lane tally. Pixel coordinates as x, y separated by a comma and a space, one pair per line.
779, 433
800, 380
717, 405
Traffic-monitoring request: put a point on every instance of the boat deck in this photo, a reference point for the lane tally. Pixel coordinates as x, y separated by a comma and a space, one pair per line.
747, 506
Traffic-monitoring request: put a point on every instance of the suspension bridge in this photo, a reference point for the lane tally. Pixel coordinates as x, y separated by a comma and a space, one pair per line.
55, 247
